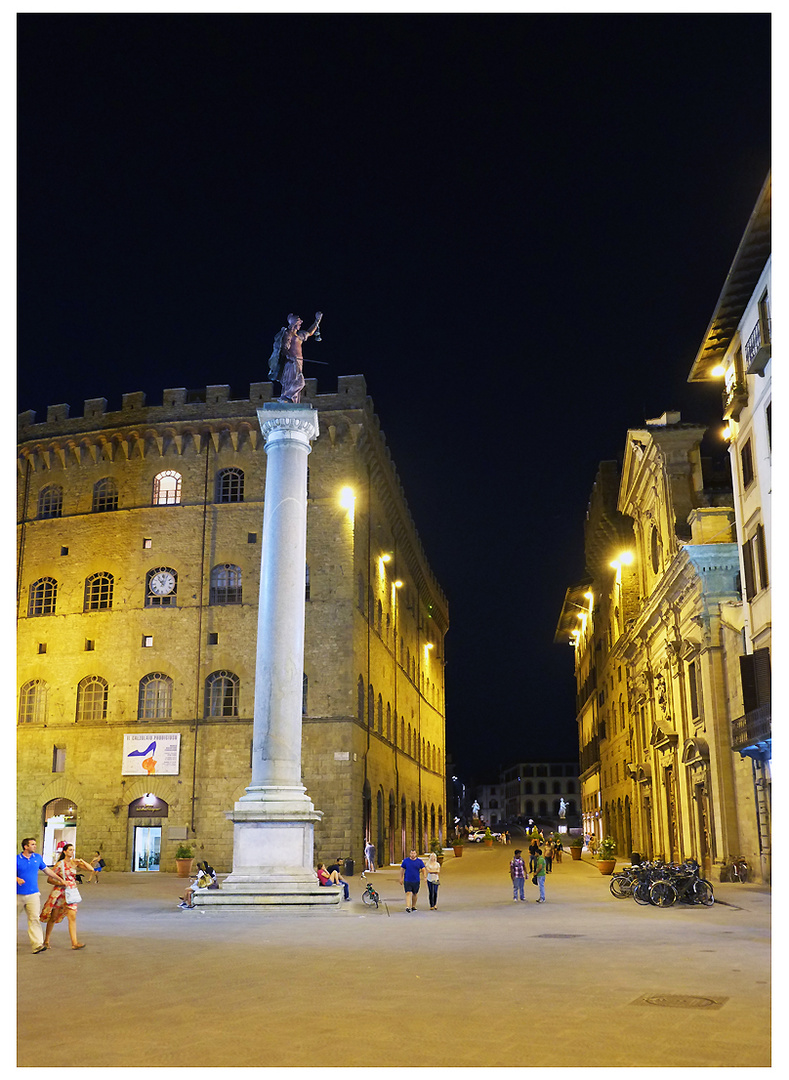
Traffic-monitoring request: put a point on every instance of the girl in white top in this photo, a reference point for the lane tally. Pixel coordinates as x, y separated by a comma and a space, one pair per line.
433, 867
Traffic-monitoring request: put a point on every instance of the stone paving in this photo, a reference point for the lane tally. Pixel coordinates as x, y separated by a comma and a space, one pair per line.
583, 980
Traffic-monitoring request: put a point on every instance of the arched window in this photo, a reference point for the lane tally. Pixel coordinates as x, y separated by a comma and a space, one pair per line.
307, 581
43, 597
98, 591
394, 729
541, 789
167, 488
225, 584
360, 699
409, 740
370, 707
305, 685
221, 694
428, 758
229, 486
33, 702
92, 694
161, 587
105, 495
557, 787
156, 697
380, 715
50, 501
388, 722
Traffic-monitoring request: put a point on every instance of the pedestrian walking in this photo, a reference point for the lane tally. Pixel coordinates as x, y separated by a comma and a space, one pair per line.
534, 847
548, 856
62, 901
518, 875
539, 873
412, 870
369, 856
433, 870
29, 865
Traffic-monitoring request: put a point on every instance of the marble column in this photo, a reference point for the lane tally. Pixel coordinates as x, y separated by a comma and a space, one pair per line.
273, 822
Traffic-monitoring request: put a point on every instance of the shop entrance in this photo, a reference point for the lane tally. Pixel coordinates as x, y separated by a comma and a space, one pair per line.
60, 828
147, 847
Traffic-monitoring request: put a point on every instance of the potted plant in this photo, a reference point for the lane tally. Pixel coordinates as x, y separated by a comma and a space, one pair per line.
457, 846
488, 837
437, 850
183, 860
606, 855
576, 846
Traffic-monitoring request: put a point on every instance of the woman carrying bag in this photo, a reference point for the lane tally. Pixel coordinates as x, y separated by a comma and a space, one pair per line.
63, 900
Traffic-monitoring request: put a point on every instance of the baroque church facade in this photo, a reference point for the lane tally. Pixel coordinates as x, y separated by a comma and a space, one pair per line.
139, 560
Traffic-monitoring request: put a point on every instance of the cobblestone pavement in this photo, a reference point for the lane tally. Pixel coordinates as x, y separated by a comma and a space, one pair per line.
480, 982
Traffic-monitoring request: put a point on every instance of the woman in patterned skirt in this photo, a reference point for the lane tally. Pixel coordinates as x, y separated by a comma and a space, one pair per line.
56, 907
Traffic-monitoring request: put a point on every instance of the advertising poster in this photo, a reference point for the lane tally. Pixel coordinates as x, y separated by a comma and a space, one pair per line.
151, 755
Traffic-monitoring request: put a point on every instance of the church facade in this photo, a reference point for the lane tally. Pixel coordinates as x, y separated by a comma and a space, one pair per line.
139, 561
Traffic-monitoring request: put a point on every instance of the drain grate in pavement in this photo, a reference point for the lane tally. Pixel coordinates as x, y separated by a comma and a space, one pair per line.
559, 935
680, 1001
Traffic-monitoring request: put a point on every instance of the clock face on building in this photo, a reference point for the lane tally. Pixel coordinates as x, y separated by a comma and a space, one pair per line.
162, 583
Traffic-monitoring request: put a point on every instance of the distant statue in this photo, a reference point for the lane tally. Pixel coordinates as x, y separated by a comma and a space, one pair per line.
286, 362
562, 808
475, 808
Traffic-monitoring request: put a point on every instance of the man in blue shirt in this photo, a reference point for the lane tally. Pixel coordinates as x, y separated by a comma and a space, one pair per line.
412, 870
28, 866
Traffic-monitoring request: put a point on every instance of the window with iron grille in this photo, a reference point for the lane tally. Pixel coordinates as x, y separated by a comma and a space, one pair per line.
98, 591
225, 584
105, 495
229, 486
33, 702
43, 597
50, 501
167, 488
221, 694
156, 697
92, 696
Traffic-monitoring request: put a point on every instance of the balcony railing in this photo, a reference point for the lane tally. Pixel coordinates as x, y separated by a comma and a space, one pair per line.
752, 731
735, 398
757, 347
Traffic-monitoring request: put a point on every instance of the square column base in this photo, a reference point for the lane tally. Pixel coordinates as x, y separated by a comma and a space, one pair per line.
272, 863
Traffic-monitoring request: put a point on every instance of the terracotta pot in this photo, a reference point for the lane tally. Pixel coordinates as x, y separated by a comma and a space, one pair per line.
458, 851
183, 867
576, 853
488, 843
606, 866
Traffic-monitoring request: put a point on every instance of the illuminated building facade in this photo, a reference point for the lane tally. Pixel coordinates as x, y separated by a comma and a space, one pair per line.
139, 561
656, 634
737, 350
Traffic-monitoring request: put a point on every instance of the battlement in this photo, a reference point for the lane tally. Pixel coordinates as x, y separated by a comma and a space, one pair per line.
179, 403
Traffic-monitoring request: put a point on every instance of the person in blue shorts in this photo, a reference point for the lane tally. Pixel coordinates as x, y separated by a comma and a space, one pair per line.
412, 870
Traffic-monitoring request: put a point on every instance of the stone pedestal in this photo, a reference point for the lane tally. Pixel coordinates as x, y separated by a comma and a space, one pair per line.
273, 821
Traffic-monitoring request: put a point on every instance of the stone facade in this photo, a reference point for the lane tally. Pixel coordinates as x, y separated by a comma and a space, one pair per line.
656, 629
115, 505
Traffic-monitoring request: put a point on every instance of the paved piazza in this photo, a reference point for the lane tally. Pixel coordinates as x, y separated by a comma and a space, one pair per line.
583, 980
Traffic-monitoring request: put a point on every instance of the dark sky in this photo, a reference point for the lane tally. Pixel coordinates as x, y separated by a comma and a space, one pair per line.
517, 227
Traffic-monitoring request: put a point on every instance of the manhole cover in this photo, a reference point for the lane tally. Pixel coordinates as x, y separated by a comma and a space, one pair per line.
680, 1001
559, 935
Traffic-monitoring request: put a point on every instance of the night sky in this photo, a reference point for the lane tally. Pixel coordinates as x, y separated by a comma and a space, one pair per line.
517, 227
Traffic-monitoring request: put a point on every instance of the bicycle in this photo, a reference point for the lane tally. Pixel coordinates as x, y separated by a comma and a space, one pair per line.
684, 884
737, 870
369, 897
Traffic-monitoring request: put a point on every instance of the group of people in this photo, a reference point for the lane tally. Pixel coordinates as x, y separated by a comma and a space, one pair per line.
537, 868
63, 899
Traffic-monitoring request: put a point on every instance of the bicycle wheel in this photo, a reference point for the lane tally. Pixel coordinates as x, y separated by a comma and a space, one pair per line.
641, 892
621, 886
371, 901
703, 893
662, 894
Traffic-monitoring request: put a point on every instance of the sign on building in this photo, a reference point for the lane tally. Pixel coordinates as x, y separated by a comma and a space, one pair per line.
151, 755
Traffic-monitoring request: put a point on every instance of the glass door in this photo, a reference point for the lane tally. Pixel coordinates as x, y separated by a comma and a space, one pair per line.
147, 846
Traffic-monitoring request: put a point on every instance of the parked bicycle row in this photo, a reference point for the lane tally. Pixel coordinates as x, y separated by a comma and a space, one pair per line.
663, 884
